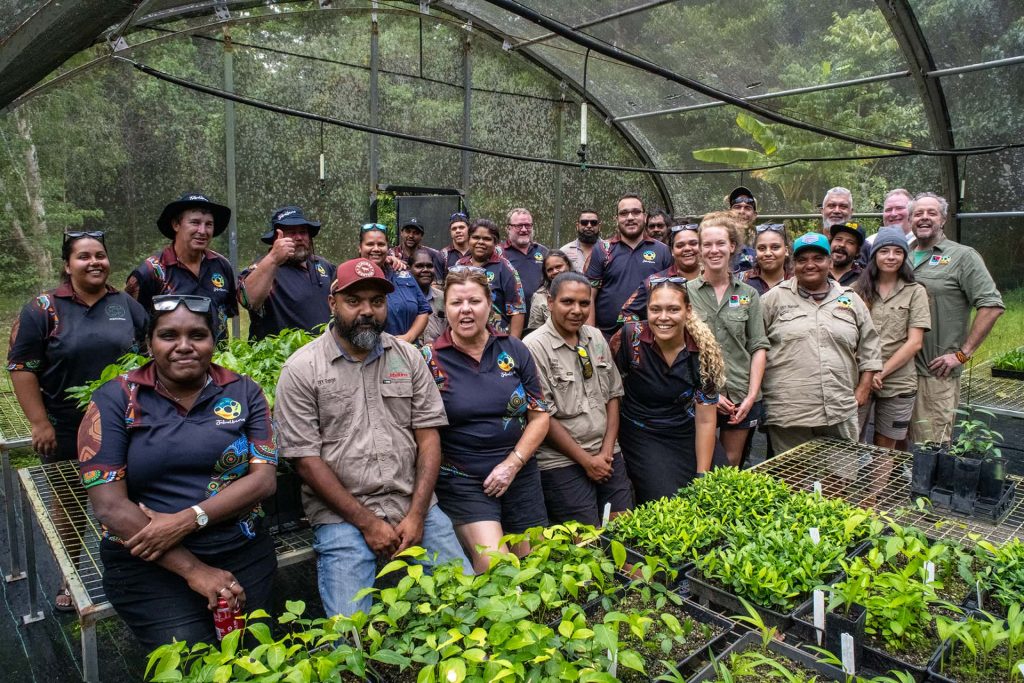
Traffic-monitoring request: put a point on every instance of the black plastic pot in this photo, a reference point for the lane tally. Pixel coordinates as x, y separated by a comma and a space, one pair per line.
926, 459
852, 622
965, 484
752, 641
993, 475
944, 468
994, 509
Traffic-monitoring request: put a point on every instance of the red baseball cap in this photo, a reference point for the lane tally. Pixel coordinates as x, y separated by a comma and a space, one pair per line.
359, 271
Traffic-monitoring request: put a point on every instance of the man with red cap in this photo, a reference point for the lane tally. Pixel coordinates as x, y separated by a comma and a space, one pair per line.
358, 414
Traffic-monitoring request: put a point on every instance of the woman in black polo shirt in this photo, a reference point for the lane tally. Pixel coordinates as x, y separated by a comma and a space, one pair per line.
176, 457
672, 371
489, 484
773, 263
508, 302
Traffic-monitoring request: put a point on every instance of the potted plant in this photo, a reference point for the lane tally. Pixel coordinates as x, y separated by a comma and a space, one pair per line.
981, 649
1001, 575
926, 460
1009, 365
979, 479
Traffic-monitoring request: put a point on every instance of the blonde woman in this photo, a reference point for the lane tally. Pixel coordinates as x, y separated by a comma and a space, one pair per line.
672, 371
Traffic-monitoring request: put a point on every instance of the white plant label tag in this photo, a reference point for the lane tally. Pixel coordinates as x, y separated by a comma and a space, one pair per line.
819, 614
977, 590
929, 572
815, 535
614, 668
817, 487
606, 515
322, 166
846, 644
1020, 667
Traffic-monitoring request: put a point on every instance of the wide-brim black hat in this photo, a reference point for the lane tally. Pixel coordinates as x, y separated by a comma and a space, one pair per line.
221, 213
289, 215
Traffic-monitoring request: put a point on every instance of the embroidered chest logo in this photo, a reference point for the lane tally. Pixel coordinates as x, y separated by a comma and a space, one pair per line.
397, 371
844, 301
734, 301
939, 260
218, 280
490, 276
538, 257
649, 255
115, 312
320, 270
505, 362
744, 300
227, 408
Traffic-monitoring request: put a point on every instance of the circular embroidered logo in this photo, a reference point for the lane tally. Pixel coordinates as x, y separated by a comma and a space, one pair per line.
490, 276
505, 362
320, 270
364, 268
227, 408
538, 257
649, 255
217, 279
115, 311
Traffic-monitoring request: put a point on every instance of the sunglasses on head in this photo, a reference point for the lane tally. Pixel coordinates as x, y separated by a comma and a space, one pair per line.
585, 363
77, 234
458, 216
367, 227
194, 302
674, 280
685, 226
467, 269
774, 227
588, 221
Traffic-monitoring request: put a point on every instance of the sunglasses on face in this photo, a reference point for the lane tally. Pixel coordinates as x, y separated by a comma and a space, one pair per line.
193, 302
585, 363
589, 222
674, 280
77, 234
774, 227
367, 227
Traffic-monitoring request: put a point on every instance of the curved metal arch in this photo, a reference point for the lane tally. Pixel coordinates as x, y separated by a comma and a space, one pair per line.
909, 36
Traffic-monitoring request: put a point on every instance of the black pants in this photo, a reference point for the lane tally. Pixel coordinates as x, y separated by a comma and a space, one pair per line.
159, 606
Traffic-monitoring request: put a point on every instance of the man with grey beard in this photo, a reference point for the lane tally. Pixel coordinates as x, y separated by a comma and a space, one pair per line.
358, 415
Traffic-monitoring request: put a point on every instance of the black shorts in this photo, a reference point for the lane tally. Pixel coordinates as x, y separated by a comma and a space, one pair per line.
462, 498
571, 495
753, 419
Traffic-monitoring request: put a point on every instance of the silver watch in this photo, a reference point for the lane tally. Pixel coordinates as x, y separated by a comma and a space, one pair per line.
202, 519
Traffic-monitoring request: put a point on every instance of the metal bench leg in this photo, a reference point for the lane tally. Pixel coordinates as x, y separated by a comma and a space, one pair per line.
10, 502
34, 611
90, 662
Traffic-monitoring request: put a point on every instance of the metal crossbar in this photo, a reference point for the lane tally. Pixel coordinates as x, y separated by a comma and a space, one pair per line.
880, 478
13, 424
998, 395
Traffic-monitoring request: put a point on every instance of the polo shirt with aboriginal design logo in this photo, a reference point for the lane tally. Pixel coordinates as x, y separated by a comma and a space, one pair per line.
507, 298
635, 308
486, 402
162, 274
171, 459
445, 258
297, 299
68, 343
617, 271
529, 265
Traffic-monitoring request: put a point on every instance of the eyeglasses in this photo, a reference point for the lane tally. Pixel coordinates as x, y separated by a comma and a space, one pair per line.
77, 234
774, 227
585, 362
467, 269
458, 216
521, 226
587, 221
686, 226
194, 302
367, 227
674, 280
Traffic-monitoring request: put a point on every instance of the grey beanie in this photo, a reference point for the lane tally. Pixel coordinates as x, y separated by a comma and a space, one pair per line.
891, 236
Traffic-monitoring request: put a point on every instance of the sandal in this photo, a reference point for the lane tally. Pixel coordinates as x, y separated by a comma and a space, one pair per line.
63, 602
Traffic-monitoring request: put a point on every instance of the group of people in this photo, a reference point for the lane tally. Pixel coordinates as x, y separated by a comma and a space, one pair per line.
465, 393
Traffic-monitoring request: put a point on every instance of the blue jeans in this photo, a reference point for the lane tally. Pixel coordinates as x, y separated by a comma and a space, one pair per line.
346, 565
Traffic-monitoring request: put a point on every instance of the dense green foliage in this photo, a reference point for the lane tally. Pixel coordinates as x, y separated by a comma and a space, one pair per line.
1011, 360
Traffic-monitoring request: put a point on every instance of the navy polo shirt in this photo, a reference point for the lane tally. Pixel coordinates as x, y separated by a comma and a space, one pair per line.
486, 402
507, 298
745, 259
445, 259
171, 459
162, 274
657, 396
68, 343
635, 307
616, 271
405, 303
529, 265
297, 299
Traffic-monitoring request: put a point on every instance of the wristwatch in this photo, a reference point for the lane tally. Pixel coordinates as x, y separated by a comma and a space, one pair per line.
202, 519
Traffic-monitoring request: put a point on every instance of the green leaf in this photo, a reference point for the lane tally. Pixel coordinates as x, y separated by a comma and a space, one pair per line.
296, 607
392, 566
251, 665
631, 660
618, 554
565, 628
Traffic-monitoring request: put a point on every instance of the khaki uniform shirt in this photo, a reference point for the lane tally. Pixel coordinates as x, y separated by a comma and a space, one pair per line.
580, 405
738, 326
358, 417
957, 281
817, 353
539, 312
580, 260
893, 316
436, 323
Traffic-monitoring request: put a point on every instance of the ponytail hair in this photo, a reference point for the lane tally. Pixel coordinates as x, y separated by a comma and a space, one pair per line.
712, 365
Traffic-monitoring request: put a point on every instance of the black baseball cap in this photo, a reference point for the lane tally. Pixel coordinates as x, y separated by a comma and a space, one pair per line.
413, 223
742, 195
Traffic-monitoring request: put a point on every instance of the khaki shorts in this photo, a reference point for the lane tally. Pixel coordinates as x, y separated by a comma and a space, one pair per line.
786, 438
892, 415
934, 409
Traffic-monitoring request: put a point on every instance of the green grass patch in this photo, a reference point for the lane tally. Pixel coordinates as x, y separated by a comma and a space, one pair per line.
1008, 332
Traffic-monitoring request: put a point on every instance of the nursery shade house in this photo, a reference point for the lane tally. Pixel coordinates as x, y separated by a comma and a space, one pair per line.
112, 107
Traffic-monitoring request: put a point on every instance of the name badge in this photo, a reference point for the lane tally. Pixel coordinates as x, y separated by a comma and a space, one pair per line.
734, 301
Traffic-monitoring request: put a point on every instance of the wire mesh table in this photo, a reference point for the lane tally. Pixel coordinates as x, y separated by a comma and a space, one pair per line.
996, 394
880, 478
15, 432
56, 498
14, 426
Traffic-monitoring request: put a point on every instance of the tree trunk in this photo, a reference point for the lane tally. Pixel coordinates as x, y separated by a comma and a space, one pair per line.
36, 242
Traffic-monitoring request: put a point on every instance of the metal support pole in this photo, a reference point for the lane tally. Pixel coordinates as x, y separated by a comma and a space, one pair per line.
467, 112
11, 503
374, 104
559, 171
35, 612
90, 660
229, 167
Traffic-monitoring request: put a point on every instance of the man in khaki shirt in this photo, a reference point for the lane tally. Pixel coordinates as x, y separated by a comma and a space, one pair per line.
358, 415
824, 352
580, 464
957, 282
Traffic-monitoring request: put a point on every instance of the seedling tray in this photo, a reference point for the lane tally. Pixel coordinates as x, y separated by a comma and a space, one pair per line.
713, 595
989, 510
1008, 374
751, 641
636, 556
